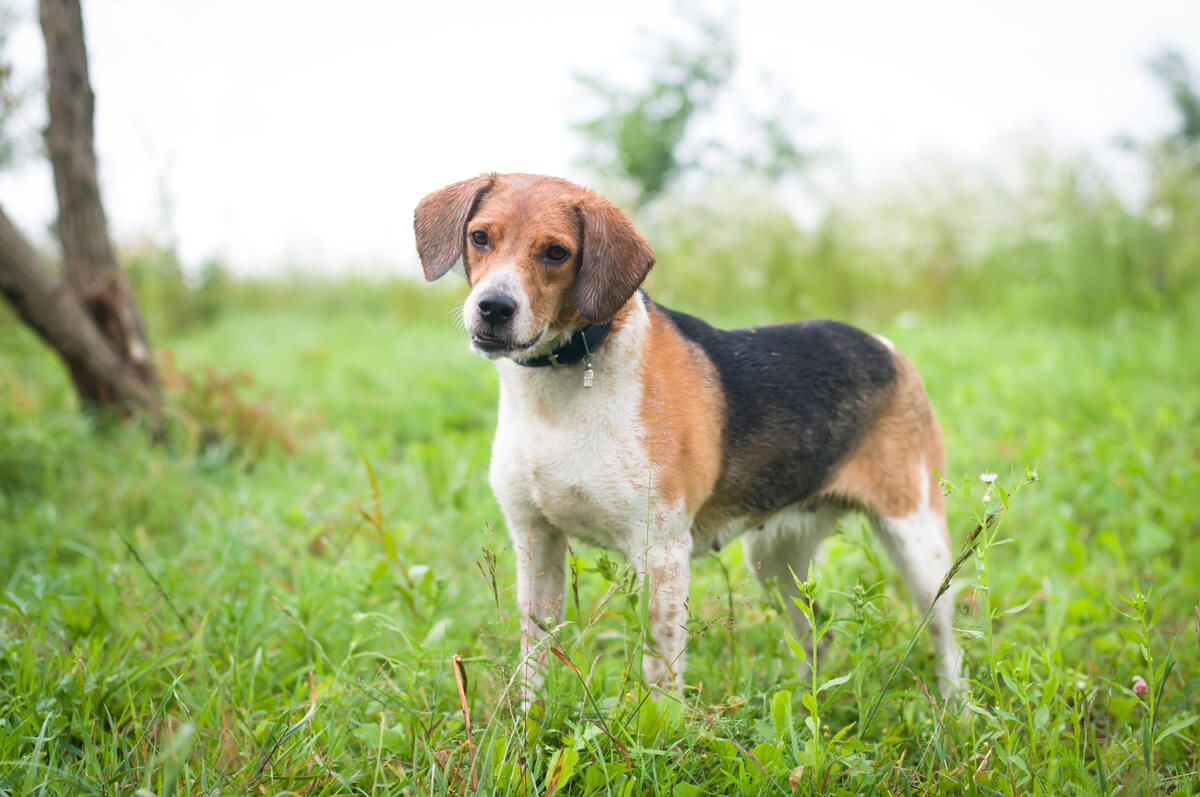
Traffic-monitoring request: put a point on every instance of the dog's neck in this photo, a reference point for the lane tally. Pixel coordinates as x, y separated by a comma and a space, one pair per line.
614, 361
580, 345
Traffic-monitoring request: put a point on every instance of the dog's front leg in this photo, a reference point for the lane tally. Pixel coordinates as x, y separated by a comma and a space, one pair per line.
663, 564
541, 559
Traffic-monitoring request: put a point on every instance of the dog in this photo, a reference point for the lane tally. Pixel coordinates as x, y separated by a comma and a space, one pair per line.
641, 429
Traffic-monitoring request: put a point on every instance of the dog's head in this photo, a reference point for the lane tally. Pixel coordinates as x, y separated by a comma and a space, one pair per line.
543, 257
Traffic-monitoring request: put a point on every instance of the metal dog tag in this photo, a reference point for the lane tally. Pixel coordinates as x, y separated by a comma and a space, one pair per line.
588, 374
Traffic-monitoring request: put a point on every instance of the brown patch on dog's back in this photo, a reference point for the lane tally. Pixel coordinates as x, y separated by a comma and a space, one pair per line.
682, 411
883, 474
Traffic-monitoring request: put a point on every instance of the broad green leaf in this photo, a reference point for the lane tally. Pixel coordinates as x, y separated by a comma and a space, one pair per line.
560, 769
688, 790
767, 754
594, 777
781, 714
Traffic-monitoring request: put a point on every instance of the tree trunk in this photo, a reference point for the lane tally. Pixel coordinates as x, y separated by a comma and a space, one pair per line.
90, 319
89, 263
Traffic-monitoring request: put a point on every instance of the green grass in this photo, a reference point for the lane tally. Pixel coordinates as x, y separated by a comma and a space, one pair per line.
229, 618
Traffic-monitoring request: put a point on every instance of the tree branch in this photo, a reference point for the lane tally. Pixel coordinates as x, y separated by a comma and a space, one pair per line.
51, 308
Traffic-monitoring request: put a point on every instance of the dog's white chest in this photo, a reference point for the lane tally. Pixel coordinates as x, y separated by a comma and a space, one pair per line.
574, 456
579, 462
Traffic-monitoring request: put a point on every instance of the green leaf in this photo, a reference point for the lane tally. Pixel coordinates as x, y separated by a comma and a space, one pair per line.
724, 748
837, 736
594, 777
1019, 762
1131, 635
809, 701
533, 727
421, 576
1175, 727
1121, 707
796, 647
832, 682
1016, 609
767, 754
561, 767
379, 571
687, 790
781, 714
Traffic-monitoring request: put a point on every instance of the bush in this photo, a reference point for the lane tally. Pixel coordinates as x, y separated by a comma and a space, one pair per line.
1057, 242
172, 300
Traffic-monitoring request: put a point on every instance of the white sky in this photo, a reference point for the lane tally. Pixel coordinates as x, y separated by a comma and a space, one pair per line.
287, 132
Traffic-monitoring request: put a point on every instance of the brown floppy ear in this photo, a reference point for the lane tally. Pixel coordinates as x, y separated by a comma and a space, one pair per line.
615, 259
440, 223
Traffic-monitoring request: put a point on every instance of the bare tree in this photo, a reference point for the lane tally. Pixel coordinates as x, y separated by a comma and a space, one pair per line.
91, 318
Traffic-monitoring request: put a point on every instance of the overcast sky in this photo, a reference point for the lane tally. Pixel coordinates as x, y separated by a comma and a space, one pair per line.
273, 132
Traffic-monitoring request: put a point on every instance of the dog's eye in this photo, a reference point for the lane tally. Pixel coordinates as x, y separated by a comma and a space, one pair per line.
479, 238
556, 254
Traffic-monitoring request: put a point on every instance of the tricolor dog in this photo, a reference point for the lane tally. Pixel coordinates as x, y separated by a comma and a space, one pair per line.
647, 431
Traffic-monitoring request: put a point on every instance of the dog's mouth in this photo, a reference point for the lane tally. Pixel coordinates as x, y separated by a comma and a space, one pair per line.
490, 344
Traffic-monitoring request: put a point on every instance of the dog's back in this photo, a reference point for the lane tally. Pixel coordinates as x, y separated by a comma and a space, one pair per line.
798, 399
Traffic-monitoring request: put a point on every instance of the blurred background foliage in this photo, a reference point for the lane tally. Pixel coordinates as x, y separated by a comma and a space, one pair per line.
1050, 235
715, 183
1047, 234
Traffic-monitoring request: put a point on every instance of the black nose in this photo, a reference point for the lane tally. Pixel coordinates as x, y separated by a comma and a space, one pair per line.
496, 309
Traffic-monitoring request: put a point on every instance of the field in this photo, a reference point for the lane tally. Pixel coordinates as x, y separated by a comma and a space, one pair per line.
274, 609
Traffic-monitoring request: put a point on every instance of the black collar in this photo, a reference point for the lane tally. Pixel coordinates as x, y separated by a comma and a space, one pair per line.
580, 345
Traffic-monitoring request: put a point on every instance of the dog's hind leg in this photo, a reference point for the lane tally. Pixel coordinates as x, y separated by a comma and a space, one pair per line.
781, 551
919, 547
892, 476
